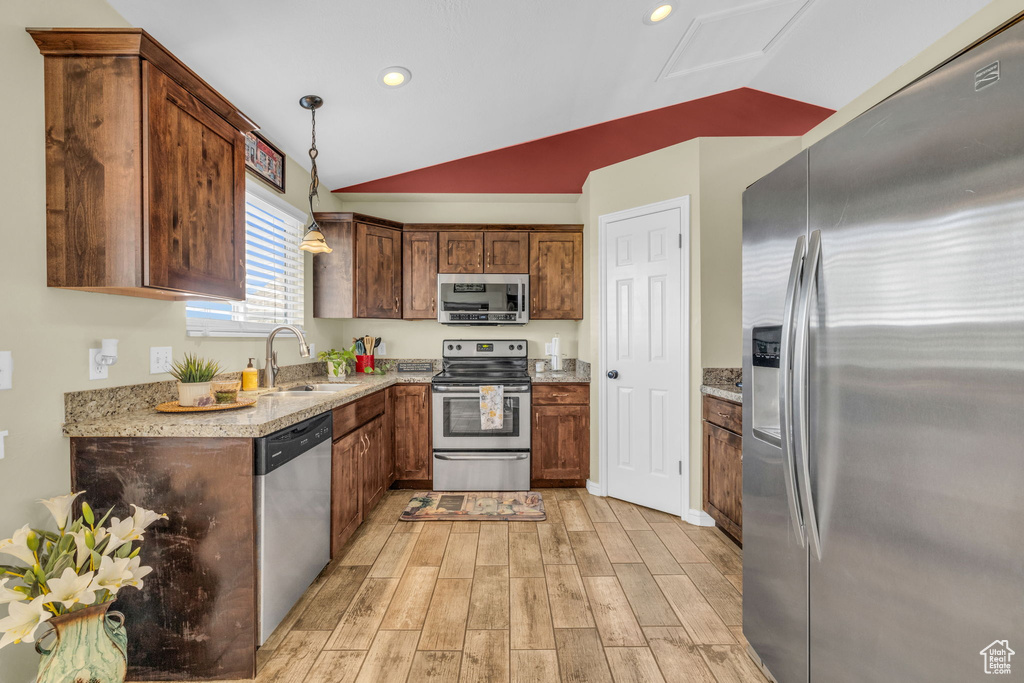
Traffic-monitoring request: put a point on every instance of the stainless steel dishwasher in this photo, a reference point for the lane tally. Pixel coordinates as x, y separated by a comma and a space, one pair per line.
293, 515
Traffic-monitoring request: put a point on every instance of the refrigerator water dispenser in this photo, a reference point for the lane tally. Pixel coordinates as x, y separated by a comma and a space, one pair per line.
765, 351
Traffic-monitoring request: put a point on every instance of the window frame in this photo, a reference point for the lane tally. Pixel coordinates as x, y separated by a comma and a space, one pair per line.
210, 327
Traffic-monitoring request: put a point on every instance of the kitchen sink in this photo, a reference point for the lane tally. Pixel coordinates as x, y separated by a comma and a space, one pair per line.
321, 388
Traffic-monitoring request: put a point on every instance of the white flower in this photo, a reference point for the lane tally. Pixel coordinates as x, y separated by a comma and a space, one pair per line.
8, 595
60, 507
121, 531
17, 546
143, 518
71, 588
138, 572
22, 621
113, 574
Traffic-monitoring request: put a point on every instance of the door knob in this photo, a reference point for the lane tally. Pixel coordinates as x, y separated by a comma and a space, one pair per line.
613, 374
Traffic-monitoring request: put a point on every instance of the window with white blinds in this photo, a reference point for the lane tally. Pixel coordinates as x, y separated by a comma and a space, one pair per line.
274, 276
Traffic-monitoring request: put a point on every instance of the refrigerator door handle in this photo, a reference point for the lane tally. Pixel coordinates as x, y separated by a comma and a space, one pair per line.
801, 413
786, 392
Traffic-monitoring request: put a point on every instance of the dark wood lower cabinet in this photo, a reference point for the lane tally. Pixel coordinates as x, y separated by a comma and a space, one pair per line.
346, 485
413, 447
723, 465
196, 618
560, 443
372, 461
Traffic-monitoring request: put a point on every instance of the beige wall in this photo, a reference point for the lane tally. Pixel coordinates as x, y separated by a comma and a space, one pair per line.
713, 172
422, 338
49, 331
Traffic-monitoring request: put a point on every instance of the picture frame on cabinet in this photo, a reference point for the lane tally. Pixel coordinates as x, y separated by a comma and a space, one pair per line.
265, 160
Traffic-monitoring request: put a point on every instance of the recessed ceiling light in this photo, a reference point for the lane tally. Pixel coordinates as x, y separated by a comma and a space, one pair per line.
657, 13
394, 76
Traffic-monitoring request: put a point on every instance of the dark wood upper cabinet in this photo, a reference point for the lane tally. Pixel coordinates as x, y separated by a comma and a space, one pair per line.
461, 252
556, 276
378, 272
419, 275
506, 251
145, 175
362, 277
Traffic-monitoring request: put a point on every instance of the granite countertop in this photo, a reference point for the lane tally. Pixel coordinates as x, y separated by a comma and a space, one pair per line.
730, 392
274, 410
559, 377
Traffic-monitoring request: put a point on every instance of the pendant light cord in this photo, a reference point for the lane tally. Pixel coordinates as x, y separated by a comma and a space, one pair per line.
314, 184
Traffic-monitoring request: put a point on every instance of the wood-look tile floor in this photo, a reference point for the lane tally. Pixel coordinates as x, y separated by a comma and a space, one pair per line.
601, 591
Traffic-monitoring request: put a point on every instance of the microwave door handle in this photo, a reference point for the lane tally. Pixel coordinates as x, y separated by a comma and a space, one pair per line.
786, 392
522, 299
801, 412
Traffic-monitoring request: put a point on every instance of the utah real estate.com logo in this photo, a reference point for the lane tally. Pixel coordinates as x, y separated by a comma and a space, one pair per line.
997, 657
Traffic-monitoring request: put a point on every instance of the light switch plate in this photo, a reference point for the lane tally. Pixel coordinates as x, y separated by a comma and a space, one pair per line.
6, 370
96, 369
312, 350
159, 359
382, 350
2, 435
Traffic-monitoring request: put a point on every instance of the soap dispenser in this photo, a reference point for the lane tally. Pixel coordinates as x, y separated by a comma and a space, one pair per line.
250, 377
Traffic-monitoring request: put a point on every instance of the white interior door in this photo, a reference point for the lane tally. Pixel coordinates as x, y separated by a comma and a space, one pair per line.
644, 357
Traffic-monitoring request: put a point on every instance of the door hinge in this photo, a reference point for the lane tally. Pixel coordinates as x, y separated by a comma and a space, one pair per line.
680, 240
680, 467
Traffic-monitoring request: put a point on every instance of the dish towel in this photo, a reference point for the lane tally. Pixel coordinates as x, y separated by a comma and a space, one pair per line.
492, 403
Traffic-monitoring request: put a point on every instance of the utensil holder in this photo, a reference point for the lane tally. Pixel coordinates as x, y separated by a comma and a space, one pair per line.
363, 362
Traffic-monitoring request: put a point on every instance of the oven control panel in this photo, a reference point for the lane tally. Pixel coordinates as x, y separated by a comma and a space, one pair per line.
475, 348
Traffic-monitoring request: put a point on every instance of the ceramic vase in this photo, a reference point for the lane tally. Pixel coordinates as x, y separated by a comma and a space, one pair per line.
90, 644
336, 373
190, 393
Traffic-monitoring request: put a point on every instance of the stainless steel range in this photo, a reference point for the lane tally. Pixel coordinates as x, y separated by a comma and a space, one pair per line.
468, 457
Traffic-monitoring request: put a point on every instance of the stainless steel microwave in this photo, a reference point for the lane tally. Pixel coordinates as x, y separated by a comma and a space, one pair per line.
483, 299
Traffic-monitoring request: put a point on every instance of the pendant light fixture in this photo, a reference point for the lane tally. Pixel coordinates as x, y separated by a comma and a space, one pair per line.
313, 241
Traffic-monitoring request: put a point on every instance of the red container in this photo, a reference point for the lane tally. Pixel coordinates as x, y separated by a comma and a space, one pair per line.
363, 362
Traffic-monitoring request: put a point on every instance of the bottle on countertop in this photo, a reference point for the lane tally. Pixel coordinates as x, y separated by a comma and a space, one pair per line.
250, 377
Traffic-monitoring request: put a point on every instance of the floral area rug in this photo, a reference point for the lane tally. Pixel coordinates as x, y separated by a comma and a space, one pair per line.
524, 506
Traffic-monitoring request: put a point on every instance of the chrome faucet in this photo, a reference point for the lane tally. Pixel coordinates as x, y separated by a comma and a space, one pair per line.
271, 371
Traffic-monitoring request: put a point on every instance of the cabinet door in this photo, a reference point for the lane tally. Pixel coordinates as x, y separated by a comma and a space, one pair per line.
556, 276
413, 446
378, 272
419, 275
561, 443
346, 488
371, 437
723, 478
194, 194
460, 252
506, 251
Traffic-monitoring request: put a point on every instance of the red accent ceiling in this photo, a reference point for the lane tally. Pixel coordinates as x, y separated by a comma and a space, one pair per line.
560, 163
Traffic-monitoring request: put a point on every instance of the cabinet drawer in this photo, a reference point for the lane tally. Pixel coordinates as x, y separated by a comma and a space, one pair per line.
354, 415
561, 394
725, 414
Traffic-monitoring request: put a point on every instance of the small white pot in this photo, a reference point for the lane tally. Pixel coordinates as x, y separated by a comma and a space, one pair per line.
336, 376
188, 394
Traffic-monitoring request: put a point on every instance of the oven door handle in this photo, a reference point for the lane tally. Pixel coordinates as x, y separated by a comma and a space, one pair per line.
482, 456
469, 391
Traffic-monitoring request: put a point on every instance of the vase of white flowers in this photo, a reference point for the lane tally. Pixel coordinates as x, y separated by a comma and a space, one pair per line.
65, 584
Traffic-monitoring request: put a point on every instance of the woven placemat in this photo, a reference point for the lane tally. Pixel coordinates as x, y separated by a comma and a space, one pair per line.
173, 407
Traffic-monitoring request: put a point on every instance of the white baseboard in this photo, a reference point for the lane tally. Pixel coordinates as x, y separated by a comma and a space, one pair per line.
700, 518
593, 488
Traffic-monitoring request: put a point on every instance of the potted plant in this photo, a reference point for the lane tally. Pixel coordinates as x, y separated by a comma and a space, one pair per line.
194, 375
337, 362
65, 582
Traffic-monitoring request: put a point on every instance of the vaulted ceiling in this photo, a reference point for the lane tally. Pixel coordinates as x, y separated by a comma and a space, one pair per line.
492, 74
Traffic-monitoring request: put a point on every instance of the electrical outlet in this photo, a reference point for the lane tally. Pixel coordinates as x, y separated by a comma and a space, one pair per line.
159, 359
6, 370
2, 435
312, 350
97, 370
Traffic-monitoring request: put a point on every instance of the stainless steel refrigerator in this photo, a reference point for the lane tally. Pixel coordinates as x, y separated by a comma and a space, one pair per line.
883, 331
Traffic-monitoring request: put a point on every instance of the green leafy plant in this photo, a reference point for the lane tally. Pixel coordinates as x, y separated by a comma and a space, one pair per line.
338, 359
193, 369
380, 370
